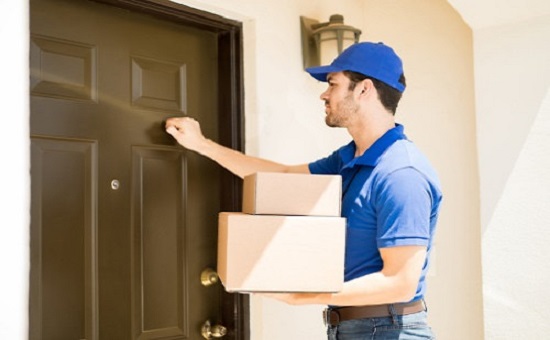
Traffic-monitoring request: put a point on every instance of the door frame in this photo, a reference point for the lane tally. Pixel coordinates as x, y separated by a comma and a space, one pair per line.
235, 310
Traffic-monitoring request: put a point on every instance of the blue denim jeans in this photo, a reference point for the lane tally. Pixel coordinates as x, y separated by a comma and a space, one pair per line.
397, 327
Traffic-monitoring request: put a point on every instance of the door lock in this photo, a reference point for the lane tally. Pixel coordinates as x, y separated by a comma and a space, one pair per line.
211, 332
209, 277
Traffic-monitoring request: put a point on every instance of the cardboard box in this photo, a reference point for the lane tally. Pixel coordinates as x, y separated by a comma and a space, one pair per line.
266, 193
263, 253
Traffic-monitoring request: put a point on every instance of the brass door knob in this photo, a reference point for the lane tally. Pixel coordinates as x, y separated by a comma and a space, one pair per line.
211, 332
209, 277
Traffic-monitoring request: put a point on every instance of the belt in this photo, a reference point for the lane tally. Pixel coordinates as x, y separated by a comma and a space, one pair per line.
334, 315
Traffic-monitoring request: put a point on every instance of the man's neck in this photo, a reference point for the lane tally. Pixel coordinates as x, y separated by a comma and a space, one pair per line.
370, 130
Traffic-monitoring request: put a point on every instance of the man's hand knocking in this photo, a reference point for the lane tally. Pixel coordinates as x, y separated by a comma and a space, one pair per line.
186, 131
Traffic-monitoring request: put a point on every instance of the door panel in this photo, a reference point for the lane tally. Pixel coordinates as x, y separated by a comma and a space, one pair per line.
121, 214
63, 239
159, 240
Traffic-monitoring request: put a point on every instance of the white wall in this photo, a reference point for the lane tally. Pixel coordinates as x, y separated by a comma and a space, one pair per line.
14, 172
515, 256
512, 76
284, 122
513, 104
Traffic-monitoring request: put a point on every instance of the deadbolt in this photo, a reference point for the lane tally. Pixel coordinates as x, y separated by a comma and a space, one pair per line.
210, 332
209, 277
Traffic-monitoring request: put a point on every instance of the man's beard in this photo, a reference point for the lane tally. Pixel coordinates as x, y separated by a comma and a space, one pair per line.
340, 116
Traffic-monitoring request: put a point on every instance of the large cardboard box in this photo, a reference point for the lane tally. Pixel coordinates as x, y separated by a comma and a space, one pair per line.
262, 253
266, 193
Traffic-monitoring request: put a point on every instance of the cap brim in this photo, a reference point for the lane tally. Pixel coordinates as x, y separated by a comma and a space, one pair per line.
321, 72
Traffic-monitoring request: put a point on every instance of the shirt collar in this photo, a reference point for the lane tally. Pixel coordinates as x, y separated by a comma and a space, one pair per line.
372, 155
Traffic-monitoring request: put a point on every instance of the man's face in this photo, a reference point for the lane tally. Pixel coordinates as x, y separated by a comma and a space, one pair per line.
340, 104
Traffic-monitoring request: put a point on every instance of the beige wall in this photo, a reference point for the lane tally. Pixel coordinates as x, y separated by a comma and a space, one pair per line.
283, 110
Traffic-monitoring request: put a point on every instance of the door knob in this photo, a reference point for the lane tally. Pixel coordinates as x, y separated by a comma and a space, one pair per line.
210, 332
209, 277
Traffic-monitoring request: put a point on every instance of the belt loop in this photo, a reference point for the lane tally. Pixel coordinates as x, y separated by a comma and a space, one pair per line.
326, 320
393, 313
329, 314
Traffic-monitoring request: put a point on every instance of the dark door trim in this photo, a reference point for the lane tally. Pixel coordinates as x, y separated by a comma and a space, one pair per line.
235, 310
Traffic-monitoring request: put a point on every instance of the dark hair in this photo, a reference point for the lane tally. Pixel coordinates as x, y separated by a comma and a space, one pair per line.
389, 96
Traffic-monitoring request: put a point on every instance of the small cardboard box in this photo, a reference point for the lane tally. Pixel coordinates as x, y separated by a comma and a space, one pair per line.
266, 193
263, 253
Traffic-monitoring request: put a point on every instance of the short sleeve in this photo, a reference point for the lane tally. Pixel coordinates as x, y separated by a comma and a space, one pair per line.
403, 203
330, 165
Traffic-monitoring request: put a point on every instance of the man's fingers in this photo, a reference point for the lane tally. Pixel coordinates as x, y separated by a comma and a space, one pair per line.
172, 130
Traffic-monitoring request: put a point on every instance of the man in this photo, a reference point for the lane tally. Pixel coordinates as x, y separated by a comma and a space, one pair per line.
391, 197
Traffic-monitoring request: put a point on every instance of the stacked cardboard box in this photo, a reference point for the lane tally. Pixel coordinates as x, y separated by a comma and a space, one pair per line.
289, 238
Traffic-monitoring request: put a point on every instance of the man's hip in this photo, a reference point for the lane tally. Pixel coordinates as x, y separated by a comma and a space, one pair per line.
383, 322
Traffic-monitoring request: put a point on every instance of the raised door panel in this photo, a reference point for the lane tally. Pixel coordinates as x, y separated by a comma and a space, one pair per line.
159, 253
64, 274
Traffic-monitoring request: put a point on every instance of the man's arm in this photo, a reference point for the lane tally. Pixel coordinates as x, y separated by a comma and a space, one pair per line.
396, 282
188, 133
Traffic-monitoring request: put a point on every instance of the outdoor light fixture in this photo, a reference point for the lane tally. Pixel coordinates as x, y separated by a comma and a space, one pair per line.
322, 42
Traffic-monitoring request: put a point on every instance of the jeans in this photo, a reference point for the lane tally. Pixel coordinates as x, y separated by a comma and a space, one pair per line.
397, 327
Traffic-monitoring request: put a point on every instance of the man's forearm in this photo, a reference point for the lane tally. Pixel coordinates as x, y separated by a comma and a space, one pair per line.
188, 134
372, 289
397, 282
240, 164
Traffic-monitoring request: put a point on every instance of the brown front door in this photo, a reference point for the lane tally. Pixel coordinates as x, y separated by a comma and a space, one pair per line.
123, 220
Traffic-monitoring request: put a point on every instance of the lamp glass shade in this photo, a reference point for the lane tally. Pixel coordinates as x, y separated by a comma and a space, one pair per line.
348, 39
328, 46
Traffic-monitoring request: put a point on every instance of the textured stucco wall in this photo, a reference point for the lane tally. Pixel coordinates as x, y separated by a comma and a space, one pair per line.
512, 77
515, 255
513, 110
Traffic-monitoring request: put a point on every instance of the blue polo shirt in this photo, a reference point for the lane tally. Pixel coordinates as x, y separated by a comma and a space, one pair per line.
390, 197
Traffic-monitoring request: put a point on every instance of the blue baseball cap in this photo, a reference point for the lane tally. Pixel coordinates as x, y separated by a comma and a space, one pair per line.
374, 60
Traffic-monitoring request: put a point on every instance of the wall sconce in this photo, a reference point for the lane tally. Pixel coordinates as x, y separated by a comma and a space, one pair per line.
322, 42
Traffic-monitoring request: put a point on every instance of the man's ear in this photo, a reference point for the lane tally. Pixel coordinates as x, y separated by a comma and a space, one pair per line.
366, 86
